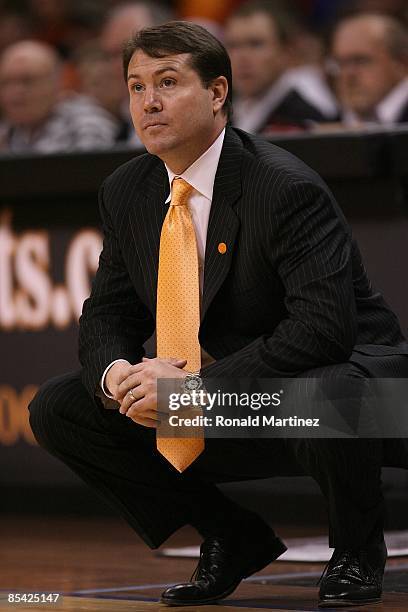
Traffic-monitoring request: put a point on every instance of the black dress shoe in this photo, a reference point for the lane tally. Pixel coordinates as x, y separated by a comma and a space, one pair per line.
353, 577
224, 562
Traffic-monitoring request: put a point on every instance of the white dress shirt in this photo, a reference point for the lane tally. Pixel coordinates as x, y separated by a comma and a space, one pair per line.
201, 175
251, 113
388, 110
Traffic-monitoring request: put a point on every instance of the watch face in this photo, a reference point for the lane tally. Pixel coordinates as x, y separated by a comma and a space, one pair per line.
192, 383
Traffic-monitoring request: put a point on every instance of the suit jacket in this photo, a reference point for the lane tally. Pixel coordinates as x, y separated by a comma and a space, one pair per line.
290, 293
403, 115
293, 112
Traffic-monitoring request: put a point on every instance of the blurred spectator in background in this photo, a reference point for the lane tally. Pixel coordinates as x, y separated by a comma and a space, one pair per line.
370, 69
270, 94
123, 21
33, 117
278, 75
66, 24
93, 69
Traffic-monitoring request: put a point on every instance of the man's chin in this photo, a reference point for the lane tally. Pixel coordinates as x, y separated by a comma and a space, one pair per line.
363, 111
359, 104
156, 147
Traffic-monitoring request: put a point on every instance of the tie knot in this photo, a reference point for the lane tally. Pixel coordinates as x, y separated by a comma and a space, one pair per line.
180, 192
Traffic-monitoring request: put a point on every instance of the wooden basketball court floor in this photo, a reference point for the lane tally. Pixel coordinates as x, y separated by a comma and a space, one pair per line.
100, 564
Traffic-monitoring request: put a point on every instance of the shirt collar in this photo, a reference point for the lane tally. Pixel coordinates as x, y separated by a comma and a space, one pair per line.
389, 109
250, 114
201, 173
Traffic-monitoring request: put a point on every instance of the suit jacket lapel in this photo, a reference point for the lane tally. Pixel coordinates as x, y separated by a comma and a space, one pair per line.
223, 223
154, 210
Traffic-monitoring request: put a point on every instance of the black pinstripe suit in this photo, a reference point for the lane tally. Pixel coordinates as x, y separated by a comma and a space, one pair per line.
290, 296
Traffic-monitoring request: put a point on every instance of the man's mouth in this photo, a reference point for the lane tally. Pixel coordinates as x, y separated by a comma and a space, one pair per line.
153, 125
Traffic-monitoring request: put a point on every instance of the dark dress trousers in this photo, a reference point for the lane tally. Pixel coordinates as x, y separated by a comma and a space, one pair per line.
290, 297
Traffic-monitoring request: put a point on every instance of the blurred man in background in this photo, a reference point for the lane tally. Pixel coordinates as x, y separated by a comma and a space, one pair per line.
259, 40
33, 116
370, 69
93, 73
121, 23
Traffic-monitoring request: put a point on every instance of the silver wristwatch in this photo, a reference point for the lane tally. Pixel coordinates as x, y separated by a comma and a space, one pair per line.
192, 382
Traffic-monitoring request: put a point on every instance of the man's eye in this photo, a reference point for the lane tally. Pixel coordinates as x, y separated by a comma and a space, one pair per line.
168, 82
137, 87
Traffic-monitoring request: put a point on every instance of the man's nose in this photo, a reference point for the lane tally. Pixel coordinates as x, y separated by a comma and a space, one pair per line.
152, 100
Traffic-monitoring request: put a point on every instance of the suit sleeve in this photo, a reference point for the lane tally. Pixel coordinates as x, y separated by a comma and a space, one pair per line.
310, 248
114, 323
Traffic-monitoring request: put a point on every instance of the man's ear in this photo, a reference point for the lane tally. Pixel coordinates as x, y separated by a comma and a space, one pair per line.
219, 89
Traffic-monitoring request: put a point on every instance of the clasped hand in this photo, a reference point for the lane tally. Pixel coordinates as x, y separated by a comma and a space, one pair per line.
141, 379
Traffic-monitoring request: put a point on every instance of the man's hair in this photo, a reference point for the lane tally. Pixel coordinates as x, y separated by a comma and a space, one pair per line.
395, 32
209, 58
286, 24
396, 37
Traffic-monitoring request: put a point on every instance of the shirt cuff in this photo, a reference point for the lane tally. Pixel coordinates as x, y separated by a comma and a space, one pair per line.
102, 383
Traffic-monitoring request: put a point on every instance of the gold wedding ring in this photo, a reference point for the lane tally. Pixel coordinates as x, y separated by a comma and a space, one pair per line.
131, 395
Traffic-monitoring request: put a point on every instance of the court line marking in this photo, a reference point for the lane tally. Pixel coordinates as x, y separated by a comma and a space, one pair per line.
230, 603
239, 603
256, 579
143, 587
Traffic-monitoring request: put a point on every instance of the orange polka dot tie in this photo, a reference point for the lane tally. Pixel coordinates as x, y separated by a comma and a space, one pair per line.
178, 308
